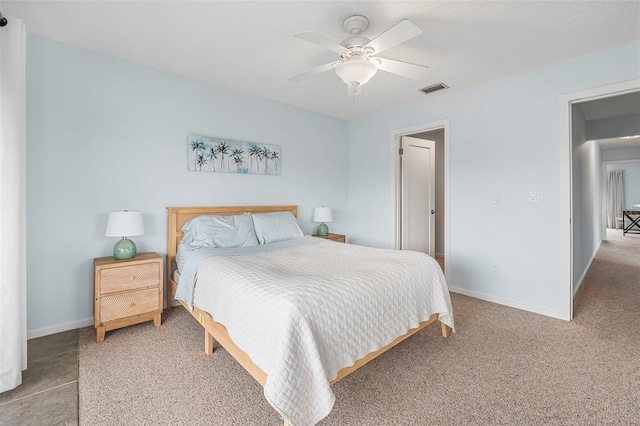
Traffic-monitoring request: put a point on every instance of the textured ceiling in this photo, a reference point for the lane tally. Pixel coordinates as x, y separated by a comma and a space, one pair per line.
249, 46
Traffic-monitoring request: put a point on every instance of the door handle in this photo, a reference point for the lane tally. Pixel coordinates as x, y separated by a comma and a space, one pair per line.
433, 211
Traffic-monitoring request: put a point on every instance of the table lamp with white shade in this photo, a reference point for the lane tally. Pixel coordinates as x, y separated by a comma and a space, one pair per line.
322, 215
124, 224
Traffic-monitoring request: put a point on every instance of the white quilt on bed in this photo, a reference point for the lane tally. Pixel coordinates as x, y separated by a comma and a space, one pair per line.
302, 313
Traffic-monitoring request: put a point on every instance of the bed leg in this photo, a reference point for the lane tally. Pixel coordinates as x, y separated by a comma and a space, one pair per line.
446, 330
208, 343
285, 422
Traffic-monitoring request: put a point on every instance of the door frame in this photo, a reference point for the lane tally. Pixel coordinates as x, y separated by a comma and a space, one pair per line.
396, 179
565, 188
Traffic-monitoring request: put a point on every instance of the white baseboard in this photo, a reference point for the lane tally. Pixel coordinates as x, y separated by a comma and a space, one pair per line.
510, 303
32, 334
584, 274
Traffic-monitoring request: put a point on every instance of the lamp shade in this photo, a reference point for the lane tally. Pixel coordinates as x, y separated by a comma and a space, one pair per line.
356, 71
124, 224
322, 214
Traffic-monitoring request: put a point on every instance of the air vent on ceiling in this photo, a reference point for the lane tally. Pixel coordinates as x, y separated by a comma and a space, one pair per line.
429, 89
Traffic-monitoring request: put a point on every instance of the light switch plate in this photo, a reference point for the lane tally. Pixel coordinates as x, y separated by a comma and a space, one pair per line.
535, 197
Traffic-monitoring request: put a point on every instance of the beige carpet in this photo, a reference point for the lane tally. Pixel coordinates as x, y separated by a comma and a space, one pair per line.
504, 366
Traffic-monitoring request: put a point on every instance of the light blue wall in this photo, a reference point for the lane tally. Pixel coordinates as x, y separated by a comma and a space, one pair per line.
504, 137
587, 188
631, 181
106, 134
621, 154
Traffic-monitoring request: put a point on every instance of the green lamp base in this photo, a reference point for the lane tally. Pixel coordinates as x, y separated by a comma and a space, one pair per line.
124, 249
323, 230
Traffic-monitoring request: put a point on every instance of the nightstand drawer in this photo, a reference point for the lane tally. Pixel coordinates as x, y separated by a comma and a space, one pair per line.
129, 277
129, 303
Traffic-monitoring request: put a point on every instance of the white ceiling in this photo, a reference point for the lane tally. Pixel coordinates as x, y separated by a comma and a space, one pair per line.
249, 46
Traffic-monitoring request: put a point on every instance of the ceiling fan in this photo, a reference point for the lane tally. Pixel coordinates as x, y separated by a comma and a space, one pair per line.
358, 55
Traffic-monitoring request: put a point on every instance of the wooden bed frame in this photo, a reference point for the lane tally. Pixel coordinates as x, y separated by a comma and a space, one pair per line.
178, 216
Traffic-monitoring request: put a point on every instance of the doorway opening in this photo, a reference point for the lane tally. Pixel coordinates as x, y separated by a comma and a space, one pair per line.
438, 132
573, 192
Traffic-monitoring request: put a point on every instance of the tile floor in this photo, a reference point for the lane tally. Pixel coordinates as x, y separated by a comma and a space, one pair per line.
48, 394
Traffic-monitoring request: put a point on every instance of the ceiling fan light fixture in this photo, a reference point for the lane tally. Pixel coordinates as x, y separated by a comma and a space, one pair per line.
358, 61
356, 71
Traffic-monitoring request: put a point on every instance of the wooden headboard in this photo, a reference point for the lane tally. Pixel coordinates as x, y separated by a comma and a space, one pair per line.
178, 216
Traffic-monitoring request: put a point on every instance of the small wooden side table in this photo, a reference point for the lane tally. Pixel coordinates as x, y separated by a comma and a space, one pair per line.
127, 292
333, 237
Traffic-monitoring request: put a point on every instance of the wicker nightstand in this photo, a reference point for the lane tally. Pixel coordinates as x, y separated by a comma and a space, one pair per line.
333, 237
127, 292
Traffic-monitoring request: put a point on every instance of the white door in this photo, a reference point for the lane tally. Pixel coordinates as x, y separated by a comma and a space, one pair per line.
417, 164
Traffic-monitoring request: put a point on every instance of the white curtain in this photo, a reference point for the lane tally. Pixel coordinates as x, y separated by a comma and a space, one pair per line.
615, 198
13, 276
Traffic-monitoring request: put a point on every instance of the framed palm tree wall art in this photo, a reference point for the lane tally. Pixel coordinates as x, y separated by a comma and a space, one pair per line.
209, 154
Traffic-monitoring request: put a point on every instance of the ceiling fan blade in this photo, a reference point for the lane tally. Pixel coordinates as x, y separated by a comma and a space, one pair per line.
404, 69
312, 72
321, 41
400, 32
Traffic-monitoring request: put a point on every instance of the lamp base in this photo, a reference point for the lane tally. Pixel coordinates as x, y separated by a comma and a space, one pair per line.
323, 230
124, 249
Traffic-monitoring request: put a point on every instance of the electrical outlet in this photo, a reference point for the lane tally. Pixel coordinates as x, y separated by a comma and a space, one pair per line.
495, 198
495, 268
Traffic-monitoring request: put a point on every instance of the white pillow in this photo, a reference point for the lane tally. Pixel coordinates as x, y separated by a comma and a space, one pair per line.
219, 231
277, 226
